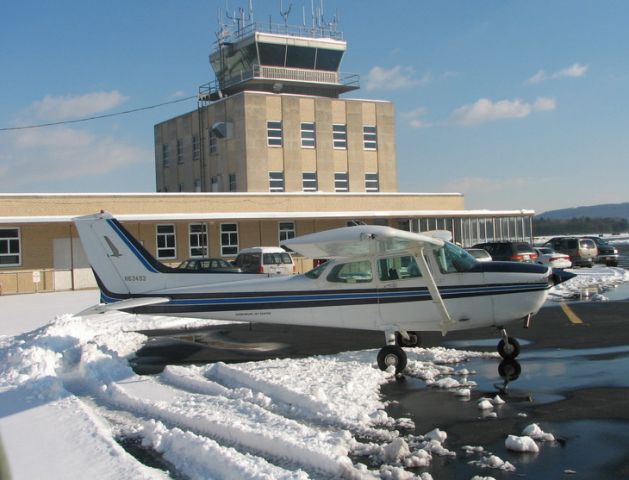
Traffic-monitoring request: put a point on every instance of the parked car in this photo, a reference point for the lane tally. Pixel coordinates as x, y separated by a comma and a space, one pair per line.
547, 256
479, 254
273, 260
509, 251
607, 253
208, 265
582, 251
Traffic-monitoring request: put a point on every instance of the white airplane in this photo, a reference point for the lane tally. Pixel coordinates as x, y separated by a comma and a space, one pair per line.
376, 278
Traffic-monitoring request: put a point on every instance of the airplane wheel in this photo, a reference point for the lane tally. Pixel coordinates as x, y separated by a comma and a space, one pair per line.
414, 340
509, 349
392, 355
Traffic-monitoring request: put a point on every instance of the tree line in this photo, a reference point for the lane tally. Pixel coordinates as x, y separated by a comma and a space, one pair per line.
580, 225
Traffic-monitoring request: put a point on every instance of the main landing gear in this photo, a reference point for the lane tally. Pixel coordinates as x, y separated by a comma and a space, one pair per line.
392, 355
508, 347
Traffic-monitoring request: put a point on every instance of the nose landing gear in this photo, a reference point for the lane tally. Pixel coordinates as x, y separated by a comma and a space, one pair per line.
508, 347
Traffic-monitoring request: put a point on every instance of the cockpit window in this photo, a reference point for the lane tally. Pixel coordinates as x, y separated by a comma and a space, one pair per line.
398, 268
453, 259
352, 272
318, 270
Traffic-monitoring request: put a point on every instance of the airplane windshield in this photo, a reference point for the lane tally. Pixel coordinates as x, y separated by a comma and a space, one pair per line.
316, 272
453, 259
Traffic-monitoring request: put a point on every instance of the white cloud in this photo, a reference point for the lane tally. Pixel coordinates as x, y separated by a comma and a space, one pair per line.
60, 153
75, 106
484, 110
573, 71
414, 118
394, 78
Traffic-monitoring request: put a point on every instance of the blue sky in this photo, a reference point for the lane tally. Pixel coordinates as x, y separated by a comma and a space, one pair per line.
514, 104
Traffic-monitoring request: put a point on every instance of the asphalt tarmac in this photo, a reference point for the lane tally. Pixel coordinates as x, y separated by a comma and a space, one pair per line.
572, 378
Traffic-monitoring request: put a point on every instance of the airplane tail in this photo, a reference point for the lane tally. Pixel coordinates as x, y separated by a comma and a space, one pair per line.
122, 266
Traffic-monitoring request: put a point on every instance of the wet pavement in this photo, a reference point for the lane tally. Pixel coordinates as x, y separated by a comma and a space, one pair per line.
571, 378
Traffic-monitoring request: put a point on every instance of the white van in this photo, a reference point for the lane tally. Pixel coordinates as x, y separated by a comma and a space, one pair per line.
271, 260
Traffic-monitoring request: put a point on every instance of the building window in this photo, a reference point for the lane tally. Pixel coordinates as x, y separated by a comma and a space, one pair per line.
309, 181
215, 183
229, 239
232, 182
212, 142
276, 181
196, 148
370, 137
339, 136
197, 233
308, 135
274, 134
372, 184
166, 241
165, 155
341, 183
286, 231
179, 152
10, 247
197, 184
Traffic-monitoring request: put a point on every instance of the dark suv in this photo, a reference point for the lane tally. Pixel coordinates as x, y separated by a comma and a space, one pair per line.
509, 251
607, 253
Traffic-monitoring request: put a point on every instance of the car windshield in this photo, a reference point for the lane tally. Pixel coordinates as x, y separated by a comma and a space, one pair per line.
523, 248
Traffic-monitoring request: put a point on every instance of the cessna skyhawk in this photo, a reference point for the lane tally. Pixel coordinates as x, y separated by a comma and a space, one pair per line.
376, 278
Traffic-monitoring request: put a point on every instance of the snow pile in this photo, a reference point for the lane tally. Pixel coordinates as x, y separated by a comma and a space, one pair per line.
589, 282
527, 442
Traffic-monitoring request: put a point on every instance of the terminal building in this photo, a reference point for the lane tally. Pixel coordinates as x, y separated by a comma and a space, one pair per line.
272, 151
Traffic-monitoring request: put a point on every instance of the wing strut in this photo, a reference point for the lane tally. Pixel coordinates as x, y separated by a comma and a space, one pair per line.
446, 321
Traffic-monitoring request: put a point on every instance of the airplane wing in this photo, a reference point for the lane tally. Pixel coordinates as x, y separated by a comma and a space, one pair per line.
361, 240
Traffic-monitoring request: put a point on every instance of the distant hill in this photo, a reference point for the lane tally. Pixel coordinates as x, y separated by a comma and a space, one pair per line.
610, 210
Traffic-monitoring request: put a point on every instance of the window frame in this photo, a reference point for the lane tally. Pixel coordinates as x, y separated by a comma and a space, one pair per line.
369, 182
229, 248
165, 155
166, 236
338, 180
370, 138
179, 151
9, 240
274, 183
307, 129
309, 184
287, 232
201, 240
339, 136
274, 133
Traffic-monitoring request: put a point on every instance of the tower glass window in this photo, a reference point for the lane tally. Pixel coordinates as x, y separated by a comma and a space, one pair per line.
165, 155
370, 137
308, 135
339, 136
341, 182
274, 134
212, 142
372, 183
232, 182
179, 151
276, 181
309, 181
196, 148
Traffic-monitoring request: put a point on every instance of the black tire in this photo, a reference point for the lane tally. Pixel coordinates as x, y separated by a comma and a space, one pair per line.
509, 349
415, 339
392, 355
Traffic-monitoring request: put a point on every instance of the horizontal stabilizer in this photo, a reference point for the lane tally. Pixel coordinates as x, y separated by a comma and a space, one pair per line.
123, 305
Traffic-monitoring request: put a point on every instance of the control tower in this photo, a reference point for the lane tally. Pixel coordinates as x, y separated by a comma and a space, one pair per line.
278, 58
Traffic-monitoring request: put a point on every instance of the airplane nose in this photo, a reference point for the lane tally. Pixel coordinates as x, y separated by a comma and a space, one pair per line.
559, 276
